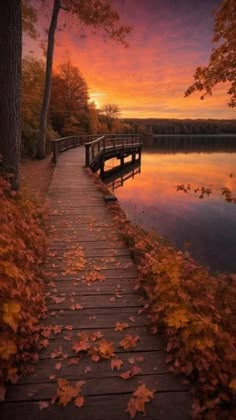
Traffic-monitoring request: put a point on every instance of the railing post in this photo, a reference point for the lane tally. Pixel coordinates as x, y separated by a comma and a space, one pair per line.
87, 155
54, 152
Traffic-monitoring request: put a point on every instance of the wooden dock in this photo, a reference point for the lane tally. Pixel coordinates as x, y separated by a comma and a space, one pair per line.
91, 287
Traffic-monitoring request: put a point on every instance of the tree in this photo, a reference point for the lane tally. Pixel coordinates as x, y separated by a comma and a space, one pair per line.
111, 112
29, 19
10, 87
69, 102
33, 73
96, 14
221, 67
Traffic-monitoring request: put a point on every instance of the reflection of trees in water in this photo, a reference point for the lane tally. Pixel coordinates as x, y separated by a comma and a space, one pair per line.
204, 191
189, 144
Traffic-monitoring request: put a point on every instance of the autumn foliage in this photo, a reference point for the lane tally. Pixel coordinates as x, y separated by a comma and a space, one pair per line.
22, 246
195, 309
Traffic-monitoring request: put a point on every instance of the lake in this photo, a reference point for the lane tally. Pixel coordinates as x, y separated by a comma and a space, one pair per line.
150, 199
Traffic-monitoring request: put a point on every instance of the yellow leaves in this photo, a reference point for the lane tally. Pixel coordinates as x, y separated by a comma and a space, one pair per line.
120, 326
11, 314
139, 398
232, 384
67, 393
129, 341
7, 348
177, 318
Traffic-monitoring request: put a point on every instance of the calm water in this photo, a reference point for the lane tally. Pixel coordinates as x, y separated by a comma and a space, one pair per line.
150, 199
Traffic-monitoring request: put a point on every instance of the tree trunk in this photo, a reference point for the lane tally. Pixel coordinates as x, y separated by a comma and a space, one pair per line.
10, 88
41, 143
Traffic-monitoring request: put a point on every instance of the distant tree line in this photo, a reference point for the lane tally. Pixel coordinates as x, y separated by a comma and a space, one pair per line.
175, 126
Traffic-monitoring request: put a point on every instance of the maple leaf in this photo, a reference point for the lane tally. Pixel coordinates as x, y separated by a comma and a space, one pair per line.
137, 402
58, 366
131, 409
43, 404
11, 314
105, 349
82, 345
232, 384
120, 326
65, 392
178, 318
7, 348
135, 370
79, 401
116, 364
129, 341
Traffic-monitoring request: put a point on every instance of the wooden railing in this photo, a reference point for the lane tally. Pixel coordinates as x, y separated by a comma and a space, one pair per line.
110, 143
96, 146
65, 143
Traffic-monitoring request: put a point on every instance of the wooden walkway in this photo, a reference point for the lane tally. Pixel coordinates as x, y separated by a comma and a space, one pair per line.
91, 288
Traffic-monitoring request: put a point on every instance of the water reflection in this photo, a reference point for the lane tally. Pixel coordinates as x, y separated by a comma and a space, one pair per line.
151, 200
117, 176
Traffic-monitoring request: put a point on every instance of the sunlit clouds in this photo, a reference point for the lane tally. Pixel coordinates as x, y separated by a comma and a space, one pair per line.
148, 79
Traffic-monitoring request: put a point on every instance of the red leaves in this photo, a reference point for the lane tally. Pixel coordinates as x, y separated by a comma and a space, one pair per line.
135, 370
120, 326
22, 250
129, 341
67, 393
116, 364
137, 402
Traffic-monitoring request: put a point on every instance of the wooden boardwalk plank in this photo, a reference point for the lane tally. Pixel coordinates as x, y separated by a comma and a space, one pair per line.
78, 218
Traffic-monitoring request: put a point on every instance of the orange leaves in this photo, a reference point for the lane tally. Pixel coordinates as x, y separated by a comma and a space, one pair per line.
120, 326
94, 275
7, 348
116, 364
137, 402
135, 370
193, 306
178, 318
105, 349
67, 393
22, 249
74, 260
82, 345
129, 342
11, 314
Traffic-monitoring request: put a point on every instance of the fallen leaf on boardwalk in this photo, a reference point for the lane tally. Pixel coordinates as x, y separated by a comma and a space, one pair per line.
105, 349
76, 306
66, 392
68, 327
58, 366
57, 299
46, 332
87, 369
135, 370
79, 401
82, 345
57, 329
73, 361
56, 353
132, 319
96, 336
131, 360
51, 377
129, 341
67, 338
137, 402
43, 404
120, 326
131, 409
94, 276
116, 364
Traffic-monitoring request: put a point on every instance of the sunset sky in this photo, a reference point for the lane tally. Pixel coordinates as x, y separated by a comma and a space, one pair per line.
170, 39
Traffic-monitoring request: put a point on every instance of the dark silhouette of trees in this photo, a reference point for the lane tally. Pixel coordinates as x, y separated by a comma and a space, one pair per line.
95, 14
10, 87
221, 66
